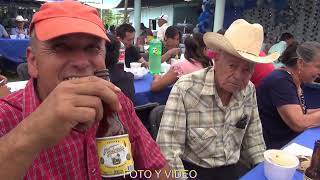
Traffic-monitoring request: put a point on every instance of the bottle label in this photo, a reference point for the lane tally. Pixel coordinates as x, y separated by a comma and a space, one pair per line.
122, 56
115, 155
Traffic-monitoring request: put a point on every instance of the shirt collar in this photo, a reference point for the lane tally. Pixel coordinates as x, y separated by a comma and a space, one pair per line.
209, 85
30, 99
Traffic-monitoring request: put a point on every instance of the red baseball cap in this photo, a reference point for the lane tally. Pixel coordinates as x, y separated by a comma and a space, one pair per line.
56, 19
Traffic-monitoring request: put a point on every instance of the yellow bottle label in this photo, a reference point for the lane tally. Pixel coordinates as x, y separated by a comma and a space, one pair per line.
115, 155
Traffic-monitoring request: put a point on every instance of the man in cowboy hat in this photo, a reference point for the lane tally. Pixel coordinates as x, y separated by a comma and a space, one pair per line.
20, 31
211, 116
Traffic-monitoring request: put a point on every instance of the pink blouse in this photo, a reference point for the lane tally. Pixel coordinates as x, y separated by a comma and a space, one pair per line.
183, 67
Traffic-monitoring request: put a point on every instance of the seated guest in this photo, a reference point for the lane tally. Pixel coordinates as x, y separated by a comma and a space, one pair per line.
195, 60
120, 78
48, 129
22, 70
171, 42
285, 40
211, 116
280, 99
20, 31
126, 33
3, 32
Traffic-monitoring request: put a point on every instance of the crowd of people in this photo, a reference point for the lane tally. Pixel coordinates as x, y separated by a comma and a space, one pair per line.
214, 115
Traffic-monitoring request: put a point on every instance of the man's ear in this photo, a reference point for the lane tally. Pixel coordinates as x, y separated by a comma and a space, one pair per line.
32, 63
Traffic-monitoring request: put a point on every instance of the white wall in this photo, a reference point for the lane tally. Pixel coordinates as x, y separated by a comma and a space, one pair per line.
153, 13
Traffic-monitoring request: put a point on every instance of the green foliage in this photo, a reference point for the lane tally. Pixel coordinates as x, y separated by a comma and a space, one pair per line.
108, 17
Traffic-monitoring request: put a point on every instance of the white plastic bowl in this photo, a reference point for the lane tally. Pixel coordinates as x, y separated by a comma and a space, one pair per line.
279, 165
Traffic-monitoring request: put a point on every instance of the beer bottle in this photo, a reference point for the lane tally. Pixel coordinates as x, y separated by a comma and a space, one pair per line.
313, 172
113, 144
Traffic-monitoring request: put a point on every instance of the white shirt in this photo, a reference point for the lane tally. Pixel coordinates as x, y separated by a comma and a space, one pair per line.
162, 31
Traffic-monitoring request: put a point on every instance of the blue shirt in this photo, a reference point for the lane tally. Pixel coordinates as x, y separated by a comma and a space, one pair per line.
276, 90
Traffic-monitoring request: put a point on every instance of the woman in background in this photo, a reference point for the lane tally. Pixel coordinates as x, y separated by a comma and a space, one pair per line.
281, 103
195, 59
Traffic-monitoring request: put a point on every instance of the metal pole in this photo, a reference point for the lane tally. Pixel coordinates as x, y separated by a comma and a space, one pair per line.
219, 15
137, 17
126, 11
101, 10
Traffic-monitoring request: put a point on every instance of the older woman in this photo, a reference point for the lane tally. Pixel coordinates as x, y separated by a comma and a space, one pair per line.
280, 99
196, 59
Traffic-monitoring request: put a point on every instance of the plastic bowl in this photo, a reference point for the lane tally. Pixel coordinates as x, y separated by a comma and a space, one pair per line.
279, 165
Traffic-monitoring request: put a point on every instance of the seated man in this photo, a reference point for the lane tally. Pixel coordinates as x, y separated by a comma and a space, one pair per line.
48, 129
211, 115
126, 33
171, 42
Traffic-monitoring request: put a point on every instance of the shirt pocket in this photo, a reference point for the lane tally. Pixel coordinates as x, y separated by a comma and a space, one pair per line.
201, 140
235, 137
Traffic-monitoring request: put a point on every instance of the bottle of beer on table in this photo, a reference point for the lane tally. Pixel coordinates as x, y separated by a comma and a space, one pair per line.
313, 172
113, 144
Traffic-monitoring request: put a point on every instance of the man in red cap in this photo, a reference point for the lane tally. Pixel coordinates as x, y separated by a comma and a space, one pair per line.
48, 129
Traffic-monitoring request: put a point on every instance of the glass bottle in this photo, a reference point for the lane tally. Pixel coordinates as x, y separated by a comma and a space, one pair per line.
113, 144
313, 171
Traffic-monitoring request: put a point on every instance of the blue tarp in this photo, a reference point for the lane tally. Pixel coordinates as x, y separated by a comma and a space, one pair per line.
14, 50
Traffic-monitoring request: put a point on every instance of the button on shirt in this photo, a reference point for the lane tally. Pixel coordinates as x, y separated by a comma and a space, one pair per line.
75, 157
196, 127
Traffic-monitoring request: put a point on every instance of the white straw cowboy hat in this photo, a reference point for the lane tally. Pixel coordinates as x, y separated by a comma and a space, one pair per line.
243, 40
21, 19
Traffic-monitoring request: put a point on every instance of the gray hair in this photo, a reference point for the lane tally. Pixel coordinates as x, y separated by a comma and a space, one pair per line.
307, 51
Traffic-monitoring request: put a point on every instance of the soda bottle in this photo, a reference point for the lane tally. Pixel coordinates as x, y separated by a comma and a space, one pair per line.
113, 144
155, 49
122, 53
313, 172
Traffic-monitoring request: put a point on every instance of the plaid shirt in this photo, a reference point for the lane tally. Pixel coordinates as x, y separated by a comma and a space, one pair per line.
75, 157
196, 127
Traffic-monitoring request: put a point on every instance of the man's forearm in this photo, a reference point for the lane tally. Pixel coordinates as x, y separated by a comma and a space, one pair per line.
18, 149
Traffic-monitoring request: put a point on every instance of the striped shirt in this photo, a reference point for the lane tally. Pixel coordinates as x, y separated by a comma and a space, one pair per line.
196, 127
75, 157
